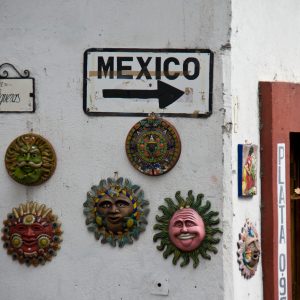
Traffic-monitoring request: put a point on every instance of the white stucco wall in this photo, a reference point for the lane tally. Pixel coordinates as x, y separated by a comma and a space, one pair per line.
265, 47
49, 38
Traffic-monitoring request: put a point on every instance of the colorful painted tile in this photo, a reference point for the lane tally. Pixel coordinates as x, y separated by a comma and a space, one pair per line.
247, 170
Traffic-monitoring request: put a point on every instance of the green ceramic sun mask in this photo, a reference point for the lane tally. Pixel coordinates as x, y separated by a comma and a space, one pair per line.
30, 159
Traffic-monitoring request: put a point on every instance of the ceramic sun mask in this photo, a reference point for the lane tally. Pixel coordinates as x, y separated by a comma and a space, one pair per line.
116, 211
187, 229
32, 234
249, 250
30, 159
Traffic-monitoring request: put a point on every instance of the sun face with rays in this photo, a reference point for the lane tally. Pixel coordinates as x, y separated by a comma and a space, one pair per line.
32, 234
249, 250
116, 211
30, 159
187, 229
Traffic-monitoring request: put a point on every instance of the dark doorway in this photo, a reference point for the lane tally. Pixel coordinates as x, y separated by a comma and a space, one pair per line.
295, 211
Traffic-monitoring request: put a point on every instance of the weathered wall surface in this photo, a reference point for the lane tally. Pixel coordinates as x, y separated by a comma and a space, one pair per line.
264, 48
49, 38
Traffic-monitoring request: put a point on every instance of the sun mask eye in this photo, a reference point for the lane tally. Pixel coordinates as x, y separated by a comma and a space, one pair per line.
16, 241
178, 224
190, 223
43, 241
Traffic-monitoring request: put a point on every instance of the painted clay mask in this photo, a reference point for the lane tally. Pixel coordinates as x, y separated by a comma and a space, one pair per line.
32, 233
30, 159
153, 146
116, 211
249, 250
187, 229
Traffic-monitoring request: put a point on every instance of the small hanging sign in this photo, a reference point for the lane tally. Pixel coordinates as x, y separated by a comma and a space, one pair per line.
16, 93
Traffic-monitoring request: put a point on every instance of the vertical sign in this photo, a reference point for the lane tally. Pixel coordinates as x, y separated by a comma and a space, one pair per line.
281, 202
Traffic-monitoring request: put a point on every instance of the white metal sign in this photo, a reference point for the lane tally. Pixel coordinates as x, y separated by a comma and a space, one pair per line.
282, 242
16, 95
174, 82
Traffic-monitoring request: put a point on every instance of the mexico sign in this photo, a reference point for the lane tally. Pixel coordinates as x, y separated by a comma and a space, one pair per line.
136, 82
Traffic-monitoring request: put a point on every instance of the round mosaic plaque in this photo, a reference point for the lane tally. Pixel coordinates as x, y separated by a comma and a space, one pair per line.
30, 159
153, 146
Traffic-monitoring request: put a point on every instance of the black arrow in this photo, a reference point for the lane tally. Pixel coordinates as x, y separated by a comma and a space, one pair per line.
165, 93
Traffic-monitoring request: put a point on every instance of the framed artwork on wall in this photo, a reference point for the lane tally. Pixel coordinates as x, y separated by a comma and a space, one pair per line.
247, 170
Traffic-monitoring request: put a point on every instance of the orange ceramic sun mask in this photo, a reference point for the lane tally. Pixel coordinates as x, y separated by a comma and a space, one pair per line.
186, 229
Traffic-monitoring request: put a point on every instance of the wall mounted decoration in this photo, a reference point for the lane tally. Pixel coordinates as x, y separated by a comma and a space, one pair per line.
153, 146
249, 250
187, 229
247, 170
17, 94
135, 82
116, 211
30, 159
32, 234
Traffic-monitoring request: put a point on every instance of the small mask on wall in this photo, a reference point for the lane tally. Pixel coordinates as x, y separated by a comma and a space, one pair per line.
249, 250
32, 234
116, 211
187, 229
247, 170
30, 159
153, 146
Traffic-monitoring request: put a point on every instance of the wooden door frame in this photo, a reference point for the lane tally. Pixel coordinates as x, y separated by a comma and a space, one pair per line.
279, 115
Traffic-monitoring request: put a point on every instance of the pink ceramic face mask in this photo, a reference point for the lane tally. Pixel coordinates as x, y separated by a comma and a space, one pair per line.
186, 229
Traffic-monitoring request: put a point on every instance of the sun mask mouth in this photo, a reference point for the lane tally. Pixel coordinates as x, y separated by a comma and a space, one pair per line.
186, 236
30, 164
